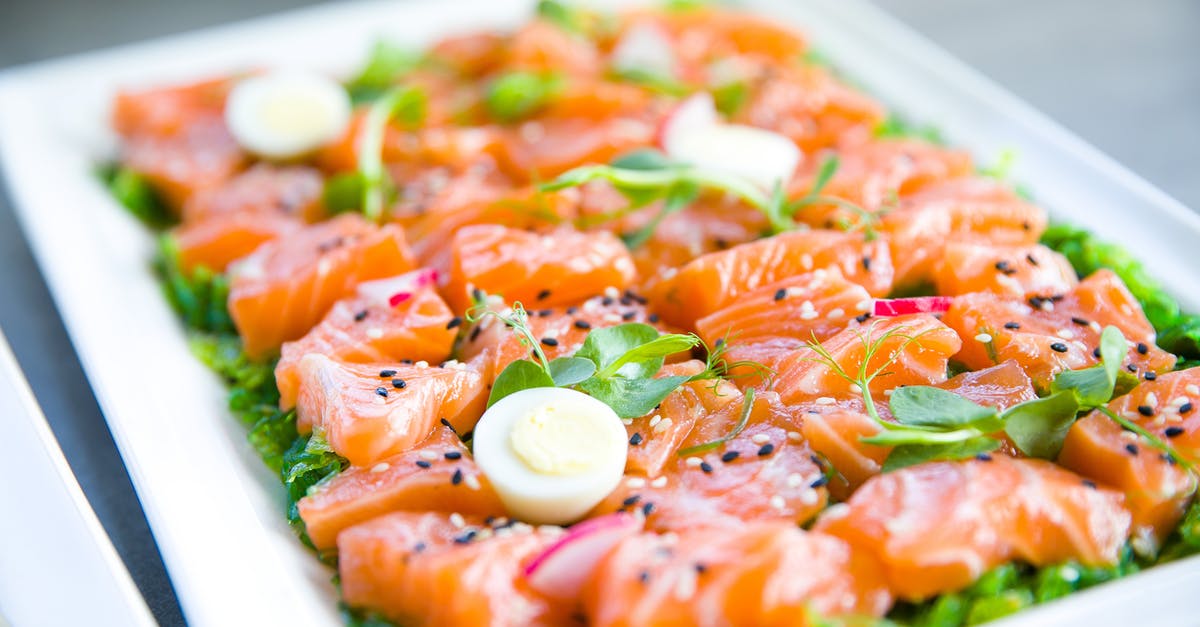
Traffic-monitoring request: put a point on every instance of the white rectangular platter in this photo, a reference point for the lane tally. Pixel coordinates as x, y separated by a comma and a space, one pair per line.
215, 510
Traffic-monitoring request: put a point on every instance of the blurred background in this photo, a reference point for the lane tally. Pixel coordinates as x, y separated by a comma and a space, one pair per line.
1123, 75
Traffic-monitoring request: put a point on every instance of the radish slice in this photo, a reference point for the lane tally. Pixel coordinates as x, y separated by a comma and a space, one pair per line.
697, 111
397, 289
562, 569
644, 48
915, 305
693, 133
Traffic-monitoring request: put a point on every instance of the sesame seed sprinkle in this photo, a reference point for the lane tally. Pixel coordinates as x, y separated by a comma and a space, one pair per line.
472, 482
780, 294
549, 341
760, 438
693, 462
399, 384
706, 467
777, 502
659, 482
454, 323
457, 477
1173, 432
730, 456
635, 483
825, 400
381, 391
423, 464
635, 440
1145, 410
457, 520
1058, 347
380, 467
983, 338
452, 455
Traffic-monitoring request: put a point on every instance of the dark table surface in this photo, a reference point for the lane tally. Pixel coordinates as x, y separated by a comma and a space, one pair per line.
1124, 75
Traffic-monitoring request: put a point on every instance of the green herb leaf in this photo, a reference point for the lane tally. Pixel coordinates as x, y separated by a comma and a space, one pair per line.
911, 454
199, 297
403, 103
1094, 386
1038, 427
730, 97
137, 194
605, 346
927, 406
566, 17
653, 81
343, 192
308, 463
895, 126
631, 398
678, 198
517, 376
518, 94
743, 419
386, 63
566, 371
643, 159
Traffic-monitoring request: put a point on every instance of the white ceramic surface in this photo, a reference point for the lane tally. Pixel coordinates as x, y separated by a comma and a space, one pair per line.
57, 566
216, 512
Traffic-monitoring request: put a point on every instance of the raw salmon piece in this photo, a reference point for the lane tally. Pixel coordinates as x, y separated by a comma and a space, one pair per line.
764, 473
700, 35
565, 327
561, 268
167, 111
265, 190
717, 279
286, 286
369, 328
656, 437
1157, 492
763, 573
218, 241
1047, 335
422, 569
1015, 270
540, 149
1000, 386
199, 156
787, 313
450, 483
1171, 399
370, 412
810, 106
925, 346
939, 526
541, 46
970, 209
874, 175
471, 54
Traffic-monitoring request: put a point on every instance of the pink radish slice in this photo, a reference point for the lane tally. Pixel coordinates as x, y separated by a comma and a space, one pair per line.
694, 112
562, 569
915, 305
397, 289
644, 48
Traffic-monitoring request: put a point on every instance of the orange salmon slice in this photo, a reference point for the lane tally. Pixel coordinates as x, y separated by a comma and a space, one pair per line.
1014, 270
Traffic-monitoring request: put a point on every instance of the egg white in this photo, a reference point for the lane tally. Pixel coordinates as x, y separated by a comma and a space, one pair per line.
545, 498
285, 114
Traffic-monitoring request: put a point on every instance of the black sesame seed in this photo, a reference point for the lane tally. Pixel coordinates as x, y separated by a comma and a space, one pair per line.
729, 456
648, 509
1005, 268
652, 318
360, 316
454, 323
819, 482
1142, 349
466, 436
1026, 226
545, 313
700, 568
446, 423
1131, 367
866, 263
381, 391
766, 449
630, 501
543, 295
780, 294
625, 301
418, 547
629, 315
407, 362
706, 467
1080, 321
452, 455
861, 318
644, 576
1031, 259
607, 301
1088, 483
478, 294
466, 537
983, 457
572, 310
1185, 408
1096, 352
1151, 375
383, 374
399, 384
1145, 410
1173, 432
423, 463
583, 324
549, 341
1012, 326
457, 477
636, 439
1132, 449
475, 333
1058, 347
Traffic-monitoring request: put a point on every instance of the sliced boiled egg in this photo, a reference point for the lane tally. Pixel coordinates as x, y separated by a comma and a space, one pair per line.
286, 113
693, 133
551, 454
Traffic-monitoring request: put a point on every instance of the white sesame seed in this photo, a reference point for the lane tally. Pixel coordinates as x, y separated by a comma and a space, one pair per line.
760, 438
662, 426
655, 420
819, 274
1066, 334
888, 392
983, 338
1152, 399
806, 261
550, 530
472, 482
807, 306
809, 496
1129, 435
659, 482
380, 467
809, 315
777, 502
1180, 400
379, 400
627, 421
693, 462
1192, 389
456, 519
422, 364
522, 528
635, 483
428, 455
374, 333
685, 586
795, 480
484, 534
835, 511
611, 318
825, 400
1049, 306
612, 292
670, 538
794, 436
1095, 326
865, 304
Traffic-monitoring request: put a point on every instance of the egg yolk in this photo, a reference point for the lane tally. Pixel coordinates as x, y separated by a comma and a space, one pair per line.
556, 440
293, 112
